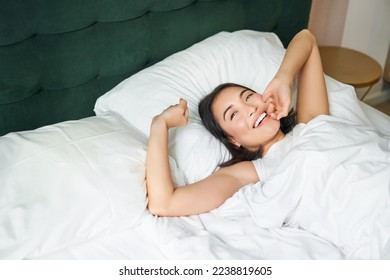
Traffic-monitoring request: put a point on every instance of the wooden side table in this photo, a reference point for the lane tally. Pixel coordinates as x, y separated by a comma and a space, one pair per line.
350, 67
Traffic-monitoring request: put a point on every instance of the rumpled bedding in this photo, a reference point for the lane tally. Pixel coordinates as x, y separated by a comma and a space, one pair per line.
328, 199
333, 183
76, 190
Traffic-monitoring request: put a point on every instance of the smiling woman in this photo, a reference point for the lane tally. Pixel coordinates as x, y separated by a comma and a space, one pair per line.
249, 124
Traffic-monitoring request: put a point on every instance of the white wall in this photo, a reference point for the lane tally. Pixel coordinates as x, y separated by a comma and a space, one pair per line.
363, 25
367, 29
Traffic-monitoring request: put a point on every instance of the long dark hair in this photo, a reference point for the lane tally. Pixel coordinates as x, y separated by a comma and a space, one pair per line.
238, 153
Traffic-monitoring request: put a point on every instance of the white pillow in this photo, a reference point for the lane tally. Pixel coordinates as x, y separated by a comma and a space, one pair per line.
245, 57
66, 183
197, 153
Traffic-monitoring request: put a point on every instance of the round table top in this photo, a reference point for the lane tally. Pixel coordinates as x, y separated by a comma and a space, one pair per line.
349, 66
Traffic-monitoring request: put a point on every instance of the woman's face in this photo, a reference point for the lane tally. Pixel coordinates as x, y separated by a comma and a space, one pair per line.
242, 114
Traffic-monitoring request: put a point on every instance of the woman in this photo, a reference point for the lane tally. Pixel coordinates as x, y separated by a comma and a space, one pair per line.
249, 122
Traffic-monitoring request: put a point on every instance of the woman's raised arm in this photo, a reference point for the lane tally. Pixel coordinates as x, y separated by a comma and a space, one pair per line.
164, 199
302, 59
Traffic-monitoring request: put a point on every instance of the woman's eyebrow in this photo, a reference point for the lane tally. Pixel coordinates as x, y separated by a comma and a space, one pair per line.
230, 106
242, 92
227, 109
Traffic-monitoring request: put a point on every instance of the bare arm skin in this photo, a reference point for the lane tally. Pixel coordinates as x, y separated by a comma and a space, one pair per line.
203, 196
302, 59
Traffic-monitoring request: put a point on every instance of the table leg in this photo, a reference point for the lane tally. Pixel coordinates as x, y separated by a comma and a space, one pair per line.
364, 95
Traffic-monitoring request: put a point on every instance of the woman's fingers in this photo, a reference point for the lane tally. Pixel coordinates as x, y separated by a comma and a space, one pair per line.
177, 115
186, 114
277, 108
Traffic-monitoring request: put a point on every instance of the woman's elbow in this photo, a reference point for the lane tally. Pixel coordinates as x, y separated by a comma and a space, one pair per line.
158, 210
307, 34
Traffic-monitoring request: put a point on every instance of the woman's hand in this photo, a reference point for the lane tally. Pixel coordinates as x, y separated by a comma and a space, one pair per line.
278, 97
174, 115
302, 60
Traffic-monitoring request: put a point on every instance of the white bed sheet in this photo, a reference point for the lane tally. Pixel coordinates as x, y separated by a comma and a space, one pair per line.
228, 232
213, 235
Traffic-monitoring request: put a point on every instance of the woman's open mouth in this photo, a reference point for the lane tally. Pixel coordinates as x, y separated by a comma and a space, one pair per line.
260, 119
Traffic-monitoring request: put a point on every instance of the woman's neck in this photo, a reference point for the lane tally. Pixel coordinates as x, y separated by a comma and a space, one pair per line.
278, 137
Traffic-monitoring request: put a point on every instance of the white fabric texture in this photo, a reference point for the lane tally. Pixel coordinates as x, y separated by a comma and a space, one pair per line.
67, 183
265, 166
332, 180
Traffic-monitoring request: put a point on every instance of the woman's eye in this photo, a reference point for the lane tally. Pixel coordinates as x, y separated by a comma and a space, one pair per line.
248, 96
233, 115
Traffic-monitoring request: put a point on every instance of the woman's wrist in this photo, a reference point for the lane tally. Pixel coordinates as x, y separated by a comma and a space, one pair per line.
159, 122
284, 77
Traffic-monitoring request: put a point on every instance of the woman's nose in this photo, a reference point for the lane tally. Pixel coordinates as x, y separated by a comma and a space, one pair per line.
252, 109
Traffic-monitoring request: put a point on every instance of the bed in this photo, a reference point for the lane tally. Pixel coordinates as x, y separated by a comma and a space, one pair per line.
80, 83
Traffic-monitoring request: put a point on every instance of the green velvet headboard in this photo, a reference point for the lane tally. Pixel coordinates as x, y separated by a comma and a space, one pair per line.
57, 57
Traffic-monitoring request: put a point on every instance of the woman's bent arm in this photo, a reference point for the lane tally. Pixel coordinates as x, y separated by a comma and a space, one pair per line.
164, 199
302, 58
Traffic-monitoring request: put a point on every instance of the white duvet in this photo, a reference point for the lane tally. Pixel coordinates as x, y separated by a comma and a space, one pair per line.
333, 183
328, 199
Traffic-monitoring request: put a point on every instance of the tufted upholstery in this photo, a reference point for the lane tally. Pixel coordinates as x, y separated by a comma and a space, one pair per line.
57, 57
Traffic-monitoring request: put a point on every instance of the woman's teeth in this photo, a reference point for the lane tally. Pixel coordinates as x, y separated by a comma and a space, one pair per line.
262, 116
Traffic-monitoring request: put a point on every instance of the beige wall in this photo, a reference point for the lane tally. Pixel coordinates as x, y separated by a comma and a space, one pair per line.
327, 20
359, 24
